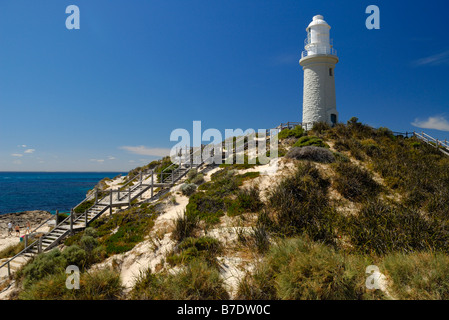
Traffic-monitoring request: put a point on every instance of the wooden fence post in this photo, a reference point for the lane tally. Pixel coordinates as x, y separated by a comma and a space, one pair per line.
152, 183
110, 203
85, 217
96, 195
56, 218
39, 245
71, 222
129, 197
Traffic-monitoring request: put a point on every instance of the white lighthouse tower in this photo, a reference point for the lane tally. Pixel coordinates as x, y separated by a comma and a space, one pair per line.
318, 62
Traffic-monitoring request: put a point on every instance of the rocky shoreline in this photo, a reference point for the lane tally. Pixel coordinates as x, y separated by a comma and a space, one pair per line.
35, 217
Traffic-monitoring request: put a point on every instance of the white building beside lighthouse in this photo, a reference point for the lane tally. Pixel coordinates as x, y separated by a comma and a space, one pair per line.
318, 62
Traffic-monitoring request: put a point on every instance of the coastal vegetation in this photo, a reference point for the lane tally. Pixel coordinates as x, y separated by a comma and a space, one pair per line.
346, 198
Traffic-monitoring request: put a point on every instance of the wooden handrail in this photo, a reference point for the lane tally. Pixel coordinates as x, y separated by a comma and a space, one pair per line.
42, 224
131, 194
442, 146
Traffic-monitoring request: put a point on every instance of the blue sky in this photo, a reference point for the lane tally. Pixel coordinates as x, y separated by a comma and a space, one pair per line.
106, 97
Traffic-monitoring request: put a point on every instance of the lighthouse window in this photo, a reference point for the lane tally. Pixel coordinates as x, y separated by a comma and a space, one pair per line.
331, 72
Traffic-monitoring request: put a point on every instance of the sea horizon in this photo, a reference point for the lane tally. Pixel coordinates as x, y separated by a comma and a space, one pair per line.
47, 190
65, 171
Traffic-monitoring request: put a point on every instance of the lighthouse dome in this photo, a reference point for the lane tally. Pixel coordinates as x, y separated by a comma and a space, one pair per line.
318, 20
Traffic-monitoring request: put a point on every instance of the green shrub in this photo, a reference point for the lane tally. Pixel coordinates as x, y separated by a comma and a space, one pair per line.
342, 144
417, 172
415, 144
310, 141
198, 281
188, 189
340, 157
370, 147
132, 224
382, 131
12, 250
94, 250
205, 206
311, 153
50, 287
261, 238
184, 227
380, 228
198, 179
234, 209
245, 163
312, 272
418, 276
258, 286
299, 204
163, 167
189, 249
83, 207
247, 176
359, 130
354, 183
192, 173
89, 243
61, 217
98, 254
97, 285
357, 153
320, 127
100, 285
90, 232
44, 265
249, 199
297, 269
74, 255
296, 132
123, 240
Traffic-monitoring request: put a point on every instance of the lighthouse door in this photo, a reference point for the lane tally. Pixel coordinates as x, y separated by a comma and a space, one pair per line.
333, 119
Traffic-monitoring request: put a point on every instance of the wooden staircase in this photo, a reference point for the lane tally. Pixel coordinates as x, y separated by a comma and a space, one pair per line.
443, 146
123, 197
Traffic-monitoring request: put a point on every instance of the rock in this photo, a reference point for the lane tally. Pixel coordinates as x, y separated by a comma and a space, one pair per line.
35, 217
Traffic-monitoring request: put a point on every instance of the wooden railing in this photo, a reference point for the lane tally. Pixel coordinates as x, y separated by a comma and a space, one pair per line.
175, 171
441, 145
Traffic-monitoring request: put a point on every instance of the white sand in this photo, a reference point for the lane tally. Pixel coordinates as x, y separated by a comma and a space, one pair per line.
152, 252
6, 241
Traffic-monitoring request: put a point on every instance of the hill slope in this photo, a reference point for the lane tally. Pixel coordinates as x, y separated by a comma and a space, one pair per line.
341, 199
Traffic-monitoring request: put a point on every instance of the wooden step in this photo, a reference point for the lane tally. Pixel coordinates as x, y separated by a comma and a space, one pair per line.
51, 237
79, 223
56, 233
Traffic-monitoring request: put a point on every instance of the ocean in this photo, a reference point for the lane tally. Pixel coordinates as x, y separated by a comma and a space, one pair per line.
49, 191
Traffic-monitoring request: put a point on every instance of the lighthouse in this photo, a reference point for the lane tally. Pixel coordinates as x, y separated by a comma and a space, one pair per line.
318, 62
